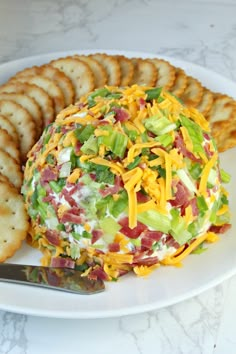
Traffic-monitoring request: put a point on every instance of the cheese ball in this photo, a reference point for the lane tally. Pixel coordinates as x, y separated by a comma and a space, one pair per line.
124, 180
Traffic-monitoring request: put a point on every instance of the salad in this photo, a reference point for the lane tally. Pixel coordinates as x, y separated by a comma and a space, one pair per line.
125, 180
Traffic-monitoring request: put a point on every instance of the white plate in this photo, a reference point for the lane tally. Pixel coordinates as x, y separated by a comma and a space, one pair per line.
130, 295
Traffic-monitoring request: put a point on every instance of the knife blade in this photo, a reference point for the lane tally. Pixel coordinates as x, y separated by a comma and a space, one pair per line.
63, 279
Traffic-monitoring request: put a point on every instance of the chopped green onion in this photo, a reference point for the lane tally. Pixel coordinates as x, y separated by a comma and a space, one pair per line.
132, 134
224, 199
55, 187
119, 144
50, 159
195, 170
153, 94
102, 92
186, 180
110, 226
225, 177
118, 206
115, 95
165, 139
179, 228
116, 142
202, 205
200, 249
61, 227
135, 163
86, 234
195, 134
83, 134
156, 220
90, 147
159, 125
76, 235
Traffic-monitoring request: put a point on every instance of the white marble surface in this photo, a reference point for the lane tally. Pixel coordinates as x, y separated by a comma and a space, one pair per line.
199, 31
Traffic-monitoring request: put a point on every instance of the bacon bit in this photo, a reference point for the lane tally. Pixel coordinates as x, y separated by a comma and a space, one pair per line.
53, 237
92, 176
96, 235
98, 273
131, 233
153, 235
74, 187
64, 129
48, 175
207, 147
142, 198
142, 103
114, 189
59, 262
193, 203
170, 241
77, 147
206, 136
48, 199
146, 243
181, 195
103, 122
68, 197
151, 135
80, 105
121, 114
69, 216
114, 247
148, 261
179, 144
122, 272
91, 113
221, 229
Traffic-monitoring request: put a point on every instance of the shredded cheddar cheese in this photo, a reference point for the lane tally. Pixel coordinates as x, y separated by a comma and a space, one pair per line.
205, 174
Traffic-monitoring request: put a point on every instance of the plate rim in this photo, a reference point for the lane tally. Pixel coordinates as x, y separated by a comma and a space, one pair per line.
140, 308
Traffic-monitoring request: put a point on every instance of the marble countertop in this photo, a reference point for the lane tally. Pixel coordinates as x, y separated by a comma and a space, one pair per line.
198, 31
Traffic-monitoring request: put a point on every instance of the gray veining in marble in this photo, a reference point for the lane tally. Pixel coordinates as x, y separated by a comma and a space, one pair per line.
12, 334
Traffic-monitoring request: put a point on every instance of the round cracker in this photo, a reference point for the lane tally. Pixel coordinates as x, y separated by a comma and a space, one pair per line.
165, 73
193, 92
180, 82
4, 179
127, 70
222, 109
99, 73
54, 74
30, 105
23, 123
38, 94
145, 72
9, 145
78, 72
206, 102
10, 168
14, 223
224, 133
6, 124
48, 86
111, 66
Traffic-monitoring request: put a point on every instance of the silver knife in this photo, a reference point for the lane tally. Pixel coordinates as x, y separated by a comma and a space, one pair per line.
64, 279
